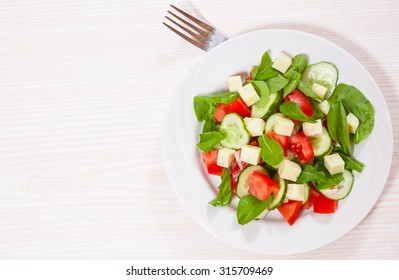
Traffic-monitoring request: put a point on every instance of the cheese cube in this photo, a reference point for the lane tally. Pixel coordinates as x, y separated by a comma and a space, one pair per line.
225, 157
234, 83
283, 126
296, 192
255, 126
353, 123
282, 62
324, 107
250, 154
319, 90
313, 130
334, 164
289, 170
248, 94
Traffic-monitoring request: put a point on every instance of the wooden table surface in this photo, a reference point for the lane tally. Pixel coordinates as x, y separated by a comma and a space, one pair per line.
84, 90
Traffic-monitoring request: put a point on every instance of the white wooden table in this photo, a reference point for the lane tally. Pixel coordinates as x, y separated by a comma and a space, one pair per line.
84, 89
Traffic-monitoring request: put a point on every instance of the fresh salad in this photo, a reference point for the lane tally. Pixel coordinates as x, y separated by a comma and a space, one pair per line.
283, 138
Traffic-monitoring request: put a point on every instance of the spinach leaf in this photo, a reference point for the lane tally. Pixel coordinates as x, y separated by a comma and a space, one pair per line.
224, 195
299, 63
308, 91
355, 102
271, 151
319, 176
338, 126
317, 113
276, 83
350, 162
204, 106
249, 207
210, 125
293, 84
293, 111
264, 71
263, 91
209, 139
310, 174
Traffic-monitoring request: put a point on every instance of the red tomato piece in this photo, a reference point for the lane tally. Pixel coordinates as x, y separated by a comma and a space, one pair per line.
262, 186
237, 106
210, 161
290, 210
281, 139
234, 171
302, 148
324, 205
313, 194
302, 100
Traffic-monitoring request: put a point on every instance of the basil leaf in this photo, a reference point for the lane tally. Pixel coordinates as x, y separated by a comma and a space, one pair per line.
271, 151
210, 139
293, 111
225, 194
264, 71
249, 207
293, 84
276, 83
338, 126
308, 91
204, 106
350, 162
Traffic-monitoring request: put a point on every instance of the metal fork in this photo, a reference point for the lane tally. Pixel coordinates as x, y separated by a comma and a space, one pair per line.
199, 33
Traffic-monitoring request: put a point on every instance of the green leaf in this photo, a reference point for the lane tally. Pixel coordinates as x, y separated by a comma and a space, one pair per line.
277, 83
271, 151
319, 176
264, 71
299, 63
225, 194
308, 91
317, 113
249, 207
338, 126
209, 139
204, 106
293, 111
350, 162
263, 91
210, 125
310, 174
293, 84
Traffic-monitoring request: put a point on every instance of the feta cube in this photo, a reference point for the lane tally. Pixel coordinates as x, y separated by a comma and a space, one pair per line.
282, 62
319, 90
250, 154
289, 170
248, 94
353, 123
255, 126
324, 107
234, 83
334, 164
313, 130
225, 157
283, 126
296, 192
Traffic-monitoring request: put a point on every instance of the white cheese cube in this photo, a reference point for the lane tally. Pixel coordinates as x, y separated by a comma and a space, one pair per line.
283, 126
250, 154
334, 164
255, 126
289, 170
225, 157
296, 192
319, 90
353, 123
324, 107
248, 94
313, 130
282, 62
234, 83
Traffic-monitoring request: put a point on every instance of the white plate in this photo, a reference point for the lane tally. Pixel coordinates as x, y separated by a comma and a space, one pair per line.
195, 188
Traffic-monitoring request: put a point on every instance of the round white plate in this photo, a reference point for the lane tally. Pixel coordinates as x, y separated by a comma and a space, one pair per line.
196, 188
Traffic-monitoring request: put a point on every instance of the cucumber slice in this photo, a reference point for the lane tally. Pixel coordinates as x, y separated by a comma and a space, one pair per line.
265, 106
323, 73
243, 178
271, 121
342, 190
280, 197
307, 193
321, 146
236, 133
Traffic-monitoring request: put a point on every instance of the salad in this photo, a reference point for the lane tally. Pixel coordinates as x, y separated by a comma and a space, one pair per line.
283, 138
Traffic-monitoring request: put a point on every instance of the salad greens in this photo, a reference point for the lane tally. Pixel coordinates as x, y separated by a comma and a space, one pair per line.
271, 151
205, 106
225, 194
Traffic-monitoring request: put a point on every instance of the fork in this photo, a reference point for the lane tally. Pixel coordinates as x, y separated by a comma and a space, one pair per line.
199, 33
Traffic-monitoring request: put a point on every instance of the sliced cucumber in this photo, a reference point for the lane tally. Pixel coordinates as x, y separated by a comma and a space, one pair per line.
342, 189
266, 105
243, 178
321, 146
323, 73
307, 193
236, 133
271, 121
280, 197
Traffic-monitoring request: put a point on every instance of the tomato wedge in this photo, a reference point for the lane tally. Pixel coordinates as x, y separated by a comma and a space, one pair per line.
262, 186
302, 148
302, 100
324, 205
237, 106
234, 171
210, 161
281, 139
313, 194
290, 210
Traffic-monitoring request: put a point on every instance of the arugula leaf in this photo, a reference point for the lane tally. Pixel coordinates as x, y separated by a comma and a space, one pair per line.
249, 207
338, 126
225, 194
264, 71
263, 91
293, 84
293, 111
276, 83
204, 106
319, 176
209, 139
310, 174
271, 151
350, 162
308, 91
299, 63
355, 102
